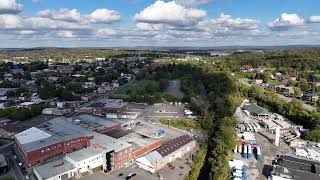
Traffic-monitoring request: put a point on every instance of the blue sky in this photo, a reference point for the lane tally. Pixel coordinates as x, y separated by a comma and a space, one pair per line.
110, 23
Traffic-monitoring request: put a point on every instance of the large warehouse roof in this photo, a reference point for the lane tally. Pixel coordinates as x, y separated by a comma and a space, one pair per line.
173, 145
31, 135
256, 110
64, 129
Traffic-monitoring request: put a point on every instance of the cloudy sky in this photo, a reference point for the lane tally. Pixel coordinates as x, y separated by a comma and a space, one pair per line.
113, 23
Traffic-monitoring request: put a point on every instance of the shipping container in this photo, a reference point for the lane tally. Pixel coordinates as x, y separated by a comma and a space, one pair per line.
245, 153
240, 148
249, 151
258, 153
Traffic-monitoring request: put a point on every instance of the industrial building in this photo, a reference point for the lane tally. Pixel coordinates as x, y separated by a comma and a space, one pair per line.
257, 111
70, 147
109, 106
66, 135
166, 153
288, 167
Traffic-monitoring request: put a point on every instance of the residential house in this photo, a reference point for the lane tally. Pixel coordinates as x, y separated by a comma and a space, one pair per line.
284, 90
311, 97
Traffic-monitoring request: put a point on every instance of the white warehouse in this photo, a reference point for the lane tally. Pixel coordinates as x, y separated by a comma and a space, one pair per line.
166, 153
73, 164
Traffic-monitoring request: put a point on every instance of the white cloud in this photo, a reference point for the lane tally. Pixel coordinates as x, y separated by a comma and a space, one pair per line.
170, 13
25, 32
105, 16
44, 23
314, 19
228, 22
286, 21
66, 34
192, 3
61, 14
99, 16
105, 32
8, 21
10, 7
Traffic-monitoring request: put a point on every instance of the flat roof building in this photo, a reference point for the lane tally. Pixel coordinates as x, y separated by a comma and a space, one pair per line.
166, 153
296, 168
61, 169
61, 136
256, 110
106, 106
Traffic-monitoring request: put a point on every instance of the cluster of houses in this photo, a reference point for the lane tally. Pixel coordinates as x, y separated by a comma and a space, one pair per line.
283, 86
20, 76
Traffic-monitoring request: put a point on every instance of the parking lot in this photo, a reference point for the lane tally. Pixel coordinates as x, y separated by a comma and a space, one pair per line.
162, 110
176, 170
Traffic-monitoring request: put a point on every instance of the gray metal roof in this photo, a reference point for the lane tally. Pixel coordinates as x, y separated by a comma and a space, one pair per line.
153, 157
137, 140
255, 109
63, 129
54, 168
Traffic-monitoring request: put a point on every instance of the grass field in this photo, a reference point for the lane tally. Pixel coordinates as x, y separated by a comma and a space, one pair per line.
184, 124
140, 87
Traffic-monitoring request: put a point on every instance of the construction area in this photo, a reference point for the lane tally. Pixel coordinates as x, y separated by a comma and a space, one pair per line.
270, 146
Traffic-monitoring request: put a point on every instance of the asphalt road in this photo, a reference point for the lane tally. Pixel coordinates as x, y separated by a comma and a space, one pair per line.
6, 150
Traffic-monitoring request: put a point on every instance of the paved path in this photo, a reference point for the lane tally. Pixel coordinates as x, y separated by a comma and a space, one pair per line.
174, 88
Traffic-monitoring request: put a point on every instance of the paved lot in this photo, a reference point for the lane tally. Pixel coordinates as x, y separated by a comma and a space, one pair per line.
149, 129
159, 111
180, 171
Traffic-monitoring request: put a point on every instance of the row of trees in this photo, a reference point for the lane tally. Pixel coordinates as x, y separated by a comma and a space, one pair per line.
21, 114
214, 96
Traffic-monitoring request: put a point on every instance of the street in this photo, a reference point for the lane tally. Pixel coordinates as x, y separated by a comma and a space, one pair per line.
14, 169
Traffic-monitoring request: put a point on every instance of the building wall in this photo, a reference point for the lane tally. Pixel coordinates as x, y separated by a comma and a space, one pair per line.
92, 162
180, 152
122, 158
169, 158
37, 156
146, 149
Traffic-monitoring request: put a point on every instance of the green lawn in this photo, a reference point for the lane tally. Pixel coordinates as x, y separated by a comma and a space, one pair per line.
141, 87
185, 124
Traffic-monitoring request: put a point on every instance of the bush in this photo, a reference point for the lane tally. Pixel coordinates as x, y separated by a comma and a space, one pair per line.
197, 165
